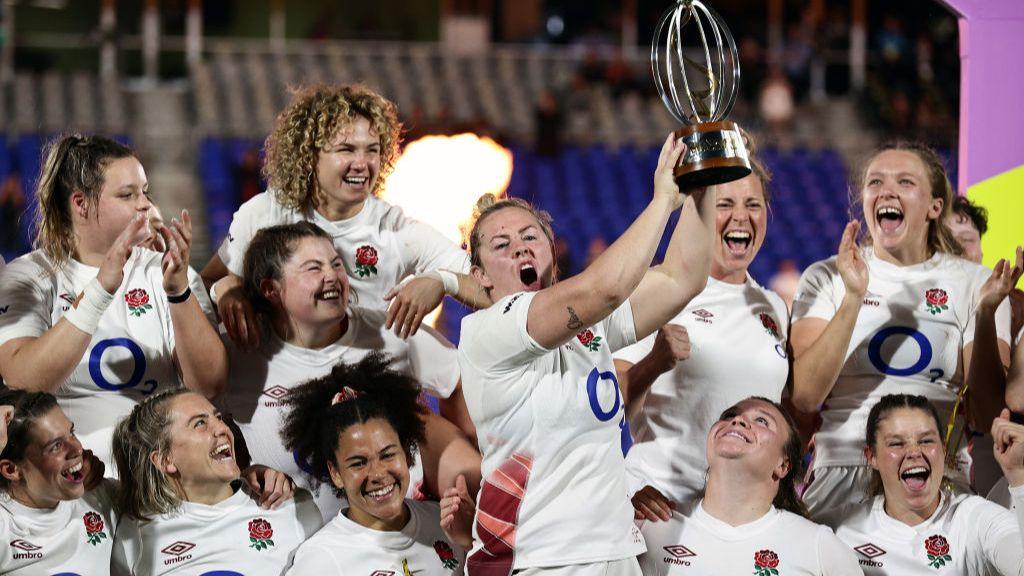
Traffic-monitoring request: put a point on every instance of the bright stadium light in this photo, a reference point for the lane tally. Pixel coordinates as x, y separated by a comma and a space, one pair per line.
438, 179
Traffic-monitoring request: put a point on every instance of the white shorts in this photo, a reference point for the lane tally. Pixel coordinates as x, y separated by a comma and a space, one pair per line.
625, 567
833, 487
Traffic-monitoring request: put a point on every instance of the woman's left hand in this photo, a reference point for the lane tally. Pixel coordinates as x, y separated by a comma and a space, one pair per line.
1001, 282
457, 511
1008, 446
178, 240
273, 487
410, 304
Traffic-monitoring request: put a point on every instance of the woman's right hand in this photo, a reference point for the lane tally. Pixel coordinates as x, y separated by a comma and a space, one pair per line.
237, 313
852, 268
652, 505
664, 179
457, 512
111, 272
1008, 446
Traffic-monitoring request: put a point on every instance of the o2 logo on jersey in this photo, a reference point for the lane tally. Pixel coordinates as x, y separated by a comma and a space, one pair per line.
923, 359
138, 370
593, 379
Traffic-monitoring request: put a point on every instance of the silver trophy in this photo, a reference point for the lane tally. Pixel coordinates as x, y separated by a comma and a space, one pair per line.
698, 83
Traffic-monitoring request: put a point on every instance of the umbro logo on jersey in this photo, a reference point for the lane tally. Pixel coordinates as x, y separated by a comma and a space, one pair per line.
179, 552
382, 573
510, 303
678, 554
276, 392
703, 315
70, 299
28, 550
869, 551
872, 299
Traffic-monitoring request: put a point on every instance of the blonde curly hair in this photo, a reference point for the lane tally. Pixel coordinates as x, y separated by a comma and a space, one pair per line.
315, 115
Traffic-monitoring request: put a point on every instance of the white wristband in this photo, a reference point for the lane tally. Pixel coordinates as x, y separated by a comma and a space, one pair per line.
447, 279
86, 316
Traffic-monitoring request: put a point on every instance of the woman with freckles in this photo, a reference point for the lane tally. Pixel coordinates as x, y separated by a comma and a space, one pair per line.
357, 429
296, 279
540, 384
729, 343
913, 524
896, 316
183, 506
748, 518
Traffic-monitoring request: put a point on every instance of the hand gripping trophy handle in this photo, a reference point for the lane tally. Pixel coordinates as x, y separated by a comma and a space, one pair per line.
698, 85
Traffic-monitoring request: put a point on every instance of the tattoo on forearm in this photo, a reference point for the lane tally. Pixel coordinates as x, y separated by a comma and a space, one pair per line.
574, 320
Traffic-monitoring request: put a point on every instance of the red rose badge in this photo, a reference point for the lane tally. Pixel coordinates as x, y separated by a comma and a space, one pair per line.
93, 528
366, 261
138, 302
935, 300
260, 533
769, 325
937, 547
446, 554
765, 563
589, 341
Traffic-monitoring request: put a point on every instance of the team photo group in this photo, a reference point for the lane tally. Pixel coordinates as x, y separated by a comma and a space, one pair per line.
285, 408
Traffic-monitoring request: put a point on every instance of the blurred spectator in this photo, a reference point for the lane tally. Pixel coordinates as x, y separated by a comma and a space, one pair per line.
785, 282
12, 206
548, 127
775, 103
596, 247
247, 175
796, 58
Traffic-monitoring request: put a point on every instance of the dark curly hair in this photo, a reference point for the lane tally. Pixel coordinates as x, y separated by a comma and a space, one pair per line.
313, 425
28, 407
305, 127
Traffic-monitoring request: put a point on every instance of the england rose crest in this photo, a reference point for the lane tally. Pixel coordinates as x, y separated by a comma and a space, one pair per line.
765, 563
937, 549
769, 325
138, 302
366, 261
446, 554
935, 300
260, 533
589, 341
93, 528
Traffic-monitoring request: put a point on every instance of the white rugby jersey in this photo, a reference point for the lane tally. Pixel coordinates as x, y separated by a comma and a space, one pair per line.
76, 537
549, 426
1005, 496
913, 325
737, 350
343, 547
379, 246
259, 379
966, 536
235, 536
131, 355
780, 543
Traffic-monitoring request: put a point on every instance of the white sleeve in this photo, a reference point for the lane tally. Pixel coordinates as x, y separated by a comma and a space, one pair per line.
619, 327
495, 340
423, 249
434, 361
195, 282
314, 559
834, 557
25, 305
1002, 316
1001, 535
248, 220
814, 297
127, 548
308, 515
638, 351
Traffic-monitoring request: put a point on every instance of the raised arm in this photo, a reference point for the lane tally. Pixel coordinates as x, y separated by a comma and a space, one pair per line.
42, 363
1007, 554
559, 312
819, 346
198, 350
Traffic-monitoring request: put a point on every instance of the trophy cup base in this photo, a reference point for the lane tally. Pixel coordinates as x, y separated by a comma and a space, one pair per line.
715, 154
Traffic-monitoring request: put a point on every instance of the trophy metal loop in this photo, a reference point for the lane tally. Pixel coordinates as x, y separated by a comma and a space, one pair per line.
719, 70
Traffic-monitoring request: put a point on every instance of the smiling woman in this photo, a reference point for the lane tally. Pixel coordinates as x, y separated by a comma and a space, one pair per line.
180, 484
357, 429
49, 522
898, 315
919, 525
